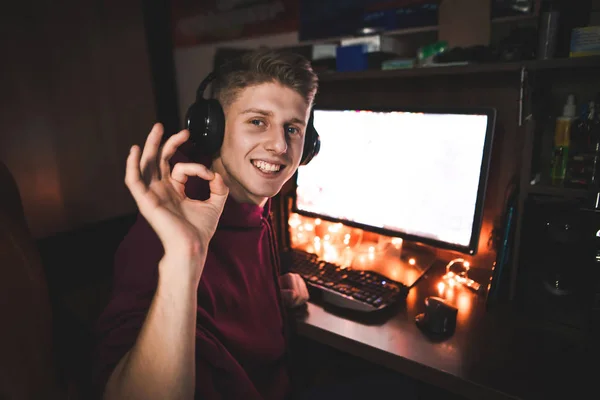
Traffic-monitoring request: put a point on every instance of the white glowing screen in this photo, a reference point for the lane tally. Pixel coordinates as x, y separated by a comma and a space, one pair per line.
413, 173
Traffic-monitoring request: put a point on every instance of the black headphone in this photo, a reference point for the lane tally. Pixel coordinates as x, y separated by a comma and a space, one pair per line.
206, 122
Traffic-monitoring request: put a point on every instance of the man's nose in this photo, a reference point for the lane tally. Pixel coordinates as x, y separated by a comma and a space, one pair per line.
276, 141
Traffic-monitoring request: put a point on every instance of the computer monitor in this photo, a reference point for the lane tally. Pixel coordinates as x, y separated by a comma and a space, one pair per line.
418, 174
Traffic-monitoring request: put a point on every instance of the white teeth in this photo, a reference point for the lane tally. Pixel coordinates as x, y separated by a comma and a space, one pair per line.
265, 166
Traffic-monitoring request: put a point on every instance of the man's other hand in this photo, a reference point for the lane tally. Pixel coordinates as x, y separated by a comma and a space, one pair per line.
293, 290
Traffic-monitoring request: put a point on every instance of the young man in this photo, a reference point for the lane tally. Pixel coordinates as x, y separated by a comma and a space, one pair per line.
198, 304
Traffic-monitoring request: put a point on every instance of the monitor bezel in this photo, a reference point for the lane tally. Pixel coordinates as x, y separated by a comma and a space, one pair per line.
472, 247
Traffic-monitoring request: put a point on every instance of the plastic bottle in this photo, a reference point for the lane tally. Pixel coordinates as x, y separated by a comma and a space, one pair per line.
594, 132
562, 141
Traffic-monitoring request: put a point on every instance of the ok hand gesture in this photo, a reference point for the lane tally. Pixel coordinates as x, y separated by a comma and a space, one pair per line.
184, 226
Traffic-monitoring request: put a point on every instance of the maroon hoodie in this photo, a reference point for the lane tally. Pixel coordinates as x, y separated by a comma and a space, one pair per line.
240, 337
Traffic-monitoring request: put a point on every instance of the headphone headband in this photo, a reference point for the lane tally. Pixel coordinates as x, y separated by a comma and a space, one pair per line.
202, 87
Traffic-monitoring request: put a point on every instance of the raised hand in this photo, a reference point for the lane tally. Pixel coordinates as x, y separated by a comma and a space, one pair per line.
184, 226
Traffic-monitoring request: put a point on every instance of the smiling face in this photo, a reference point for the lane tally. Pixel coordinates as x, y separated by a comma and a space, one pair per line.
264, 138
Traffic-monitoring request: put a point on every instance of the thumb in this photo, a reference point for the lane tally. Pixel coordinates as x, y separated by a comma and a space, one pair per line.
218, 191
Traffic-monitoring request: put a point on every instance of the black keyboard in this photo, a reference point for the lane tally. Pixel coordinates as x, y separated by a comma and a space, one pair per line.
344, 287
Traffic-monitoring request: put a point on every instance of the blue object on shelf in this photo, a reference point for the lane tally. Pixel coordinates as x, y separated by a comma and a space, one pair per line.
351, 58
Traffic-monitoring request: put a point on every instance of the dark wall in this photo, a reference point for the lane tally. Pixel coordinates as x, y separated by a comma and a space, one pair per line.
157, 21
76, 94
78, 80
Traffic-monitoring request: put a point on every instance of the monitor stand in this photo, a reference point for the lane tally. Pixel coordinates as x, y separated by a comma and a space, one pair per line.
418, 260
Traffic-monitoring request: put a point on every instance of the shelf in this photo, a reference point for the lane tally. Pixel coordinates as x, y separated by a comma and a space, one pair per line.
557, 191
420, 29
419, 72
564, 63
489, 68
435, 28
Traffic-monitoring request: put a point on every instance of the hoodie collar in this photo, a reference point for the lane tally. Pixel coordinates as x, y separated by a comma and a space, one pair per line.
243, 215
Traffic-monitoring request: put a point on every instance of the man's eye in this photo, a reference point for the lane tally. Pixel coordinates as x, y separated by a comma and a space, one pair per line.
256, 122
292, 130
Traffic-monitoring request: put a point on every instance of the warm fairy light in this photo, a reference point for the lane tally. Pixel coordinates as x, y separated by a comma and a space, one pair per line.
450, 292
460, 276
346, 257
335, 227
412, 261
441, 286
397, 242
332, 242
330, 253
347, 239
294, 220
317, 244
454, 280
450, 277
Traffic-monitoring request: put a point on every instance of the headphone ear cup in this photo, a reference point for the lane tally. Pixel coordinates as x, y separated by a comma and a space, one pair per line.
312, 145
206, 122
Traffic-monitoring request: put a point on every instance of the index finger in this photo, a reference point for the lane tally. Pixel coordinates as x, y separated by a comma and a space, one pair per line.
169, 149
133, 175
149, 162
181, 172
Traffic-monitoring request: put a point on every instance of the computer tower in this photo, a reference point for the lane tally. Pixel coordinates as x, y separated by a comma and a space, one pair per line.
592, 215
557, 280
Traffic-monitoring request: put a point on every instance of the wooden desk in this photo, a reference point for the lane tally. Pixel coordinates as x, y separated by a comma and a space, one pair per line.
492, 355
